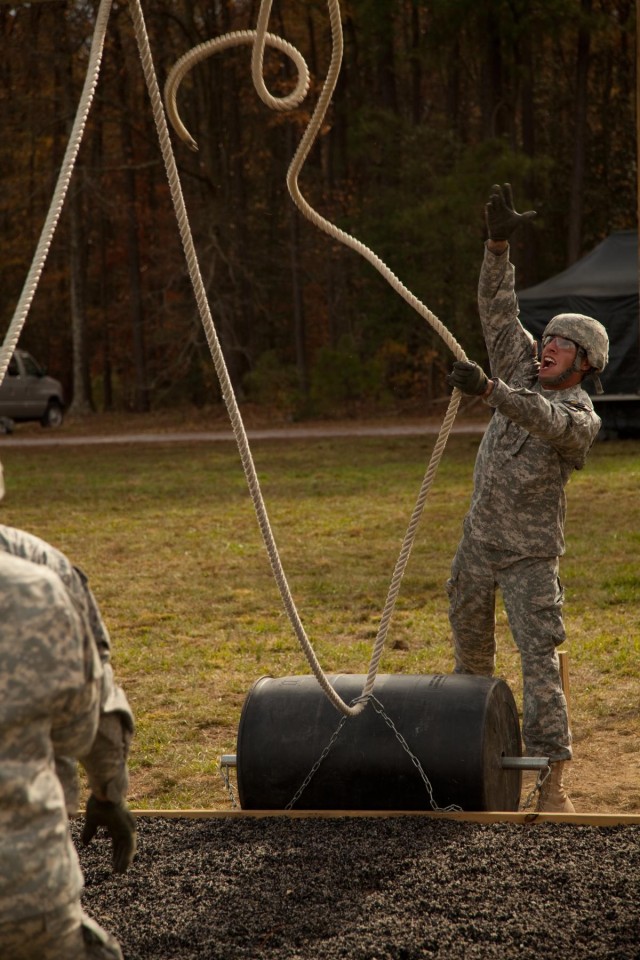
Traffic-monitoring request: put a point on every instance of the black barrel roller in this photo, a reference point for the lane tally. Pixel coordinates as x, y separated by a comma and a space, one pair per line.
459, 727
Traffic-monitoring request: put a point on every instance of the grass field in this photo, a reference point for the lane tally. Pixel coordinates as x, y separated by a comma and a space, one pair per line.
169, 539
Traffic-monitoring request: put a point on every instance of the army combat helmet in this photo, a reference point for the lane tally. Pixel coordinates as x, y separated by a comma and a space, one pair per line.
590, 337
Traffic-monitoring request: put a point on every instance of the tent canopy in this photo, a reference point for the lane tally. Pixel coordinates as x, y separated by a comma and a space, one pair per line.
604, 285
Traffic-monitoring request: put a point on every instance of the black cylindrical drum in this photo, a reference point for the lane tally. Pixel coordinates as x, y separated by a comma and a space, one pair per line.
457, 726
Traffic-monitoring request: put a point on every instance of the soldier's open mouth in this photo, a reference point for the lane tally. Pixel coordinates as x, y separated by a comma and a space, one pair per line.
547, 363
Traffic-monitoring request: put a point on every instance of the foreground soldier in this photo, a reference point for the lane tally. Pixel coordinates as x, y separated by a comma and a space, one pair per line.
51, 687
49, 705
542, 429
106, 761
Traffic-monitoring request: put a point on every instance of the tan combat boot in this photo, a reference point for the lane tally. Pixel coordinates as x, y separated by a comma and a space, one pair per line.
553, 797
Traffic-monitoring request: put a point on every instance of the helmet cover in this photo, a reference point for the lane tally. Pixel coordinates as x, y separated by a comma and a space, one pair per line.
585, 332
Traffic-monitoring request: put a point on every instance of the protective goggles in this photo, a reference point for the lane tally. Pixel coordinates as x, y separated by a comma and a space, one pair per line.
561, 342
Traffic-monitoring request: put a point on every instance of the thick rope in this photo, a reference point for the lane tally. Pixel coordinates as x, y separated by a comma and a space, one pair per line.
218, 358
64, 178
237, 38
260, 38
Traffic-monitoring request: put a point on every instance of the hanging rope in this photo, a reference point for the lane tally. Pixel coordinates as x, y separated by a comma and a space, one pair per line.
64, 178
218, 359
260, 38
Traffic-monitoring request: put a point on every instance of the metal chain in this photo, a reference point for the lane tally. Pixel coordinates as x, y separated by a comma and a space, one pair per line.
537, 787
224, 773
453, 807
377, 706
309, 777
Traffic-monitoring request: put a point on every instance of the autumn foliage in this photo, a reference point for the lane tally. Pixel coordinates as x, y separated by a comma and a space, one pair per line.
437, 100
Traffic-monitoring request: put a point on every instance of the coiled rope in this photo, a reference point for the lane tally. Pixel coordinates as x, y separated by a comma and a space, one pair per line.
260, 38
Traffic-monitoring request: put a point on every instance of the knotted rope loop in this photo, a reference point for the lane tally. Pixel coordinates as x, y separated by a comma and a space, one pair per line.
258, 43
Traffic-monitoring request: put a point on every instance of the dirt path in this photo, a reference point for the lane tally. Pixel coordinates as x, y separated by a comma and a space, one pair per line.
297, 432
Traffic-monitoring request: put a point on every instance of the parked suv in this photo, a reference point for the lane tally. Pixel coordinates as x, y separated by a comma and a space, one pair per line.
27, 393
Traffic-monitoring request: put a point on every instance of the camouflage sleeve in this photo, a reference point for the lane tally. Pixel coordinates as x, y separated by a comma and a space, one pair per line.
49, 701
105, 757
568, 426
105, 751
106, 761
67, 774
49, 656
509, 345
75, 720
97, 624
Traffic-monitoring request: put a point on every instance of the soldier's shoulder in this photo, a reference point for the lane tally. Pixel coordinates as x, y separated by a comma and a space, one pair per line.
25, 578
19, 568
37, 616
577, 400
27, 545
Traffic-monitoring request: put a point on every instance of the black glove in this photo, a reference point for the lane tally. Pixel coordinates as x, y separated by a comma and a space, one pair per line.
119, 824
501, 218
469, 378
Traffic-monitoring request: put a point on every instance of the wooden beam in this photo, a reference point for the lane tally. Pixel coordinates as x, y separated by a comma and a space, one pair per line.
563, 658
522, 817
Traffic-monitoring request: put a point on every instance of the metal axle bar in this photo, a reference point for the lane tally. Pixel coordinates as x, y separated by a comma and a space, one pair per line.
507, 763
524, 763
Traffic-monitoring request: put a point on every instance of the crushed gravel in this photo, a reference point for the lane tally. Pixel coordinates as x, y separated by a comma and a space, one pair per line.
394, 888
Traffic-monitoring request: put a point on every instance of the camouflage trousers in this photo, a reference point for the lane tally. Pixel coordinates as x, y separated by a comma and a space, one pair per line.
64, 934
533, 598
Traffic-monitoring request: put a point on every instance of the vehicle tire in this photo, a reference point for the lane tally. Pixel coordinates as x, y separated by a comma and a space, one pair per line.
53, 415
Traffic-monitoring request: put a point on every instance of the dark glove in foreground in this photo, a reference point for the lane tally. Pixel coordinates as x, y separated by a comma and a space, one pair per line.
501, 218
119, 824
468, 377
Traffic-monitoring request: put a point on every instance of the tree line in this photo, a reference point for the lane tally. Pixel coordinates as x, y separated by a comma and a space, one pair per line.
436, 100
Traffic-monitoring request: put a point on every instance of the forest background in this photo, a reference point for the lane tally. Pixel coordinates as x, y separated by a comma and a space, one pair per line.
437, 100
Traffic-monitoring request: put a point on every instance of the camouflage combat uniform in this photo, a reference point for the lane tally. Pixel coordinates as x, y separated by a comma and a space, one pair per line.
106, 761
50, 680
514, 530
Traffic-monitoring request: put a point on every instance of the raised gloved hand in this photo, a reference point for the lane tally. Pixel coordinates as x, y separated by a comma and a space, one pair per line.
469, 378
119, 824
501, 218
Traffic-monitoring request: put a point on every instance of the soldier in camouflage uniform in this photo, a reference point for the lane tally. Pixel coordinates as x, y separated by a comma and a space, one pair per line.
106, 761
541, 431
55, 697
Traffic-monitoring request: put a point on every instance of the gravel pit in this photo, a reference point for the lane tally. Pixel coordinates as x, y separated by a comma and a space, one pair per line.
368, 888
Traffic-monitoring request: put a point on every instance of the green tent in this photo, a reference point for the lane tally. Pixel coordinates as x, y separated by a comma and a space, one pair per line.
604, 285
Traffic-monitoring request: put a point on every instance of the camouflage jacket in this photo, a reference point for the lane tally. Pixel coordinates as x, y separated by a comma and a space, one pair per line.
536, 438
50, 679
106, 761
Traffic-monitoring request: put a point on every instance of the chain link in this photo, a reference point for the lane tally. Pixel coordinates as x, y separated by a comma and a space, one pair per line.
453, 807
537, 787
224, 773
379, 709
314, 769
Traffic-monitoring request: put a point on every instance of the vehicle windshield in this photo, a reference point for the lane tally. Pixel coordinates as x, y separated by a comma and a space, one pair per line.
32, 368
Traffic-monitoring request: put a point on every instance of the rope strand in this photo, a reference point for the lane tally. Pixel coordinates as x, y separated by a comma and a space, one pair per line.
260, 38
57, 202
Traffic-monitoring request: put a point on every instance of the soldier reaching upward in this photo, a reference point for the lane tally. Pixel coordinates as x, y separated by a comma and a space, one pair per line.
541, 431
